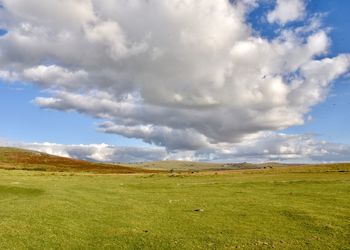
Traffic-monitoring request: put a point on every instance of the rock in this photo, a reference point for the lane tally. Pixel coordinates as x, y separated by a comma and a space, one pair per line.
198, 210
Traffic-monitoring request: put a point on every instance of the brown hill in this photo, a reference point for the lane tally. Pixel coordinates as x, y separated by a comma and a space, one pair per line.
20, 159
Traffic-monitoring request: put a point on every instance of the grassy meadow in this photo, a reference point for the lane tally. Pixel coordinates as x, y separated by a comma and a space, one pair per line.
279, 208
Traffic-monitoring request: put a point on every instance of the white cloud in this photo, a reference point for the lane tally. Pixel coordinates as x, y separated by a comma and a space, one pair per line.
182, 74
289, 148
51, 76
8, 76
263, 147
96, 152
287, 11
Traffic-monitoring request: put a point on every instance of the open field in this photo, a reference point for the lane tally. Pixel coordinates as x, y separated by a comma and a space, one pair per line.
281, 208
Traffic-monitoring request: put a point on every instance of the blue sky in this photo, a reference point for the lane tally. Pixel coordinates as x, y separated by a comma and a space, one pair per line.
24, 121
331, 118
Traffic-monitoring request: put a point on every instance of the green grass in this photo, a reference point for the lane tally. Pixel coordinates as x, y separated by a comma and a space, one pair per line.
289, 208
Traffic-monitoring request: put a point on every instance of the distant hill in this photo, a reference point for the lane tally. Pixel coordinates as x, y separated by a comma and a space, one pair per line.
20, 159
176, 165
190, 166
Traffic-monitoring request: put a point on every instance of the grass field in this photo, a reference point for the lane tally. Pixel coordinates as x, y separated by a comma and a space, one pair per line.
280, 208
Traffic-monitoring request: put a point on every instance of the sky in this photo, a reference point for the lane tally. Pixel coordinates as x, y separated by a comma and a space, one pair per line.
232, 81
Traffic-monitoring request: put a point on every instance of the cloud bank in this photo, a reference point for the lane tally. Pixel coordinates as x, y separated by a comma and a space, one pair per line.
264, 147
185, 75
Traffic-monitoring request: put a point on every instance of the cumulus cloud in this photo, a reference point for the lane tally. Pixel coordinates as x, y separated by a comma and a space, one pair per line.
287, 11
263, 147
183, 74
50, 76
281, 147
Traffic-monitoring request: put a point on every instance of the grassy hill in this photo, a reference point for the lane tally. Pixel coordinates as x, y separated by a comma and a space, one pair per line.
20, 159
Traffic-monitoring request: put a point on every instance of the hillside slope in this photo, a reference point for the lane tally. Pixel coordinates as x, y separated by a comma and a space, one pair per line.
20, 159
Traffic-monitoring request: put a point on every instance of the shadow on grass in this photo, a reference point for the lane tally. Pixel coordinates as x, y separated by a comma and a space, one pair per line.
6, 191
